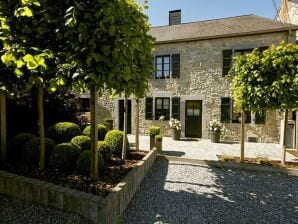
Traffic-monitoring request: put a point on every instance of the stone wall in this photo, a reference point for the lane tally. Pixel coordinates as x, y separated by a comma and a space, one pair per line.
288, 12
201, 79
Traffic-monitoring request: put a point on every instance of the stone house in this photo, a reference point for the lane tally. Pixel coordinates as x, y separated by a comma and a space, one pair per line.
189, 83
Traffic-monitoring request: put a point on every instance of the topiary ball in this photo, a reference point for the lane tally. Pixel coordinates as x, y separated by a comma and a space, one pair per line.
114, 139
84, 142
102, 131
64, 156
84, 162
105, 150
17, 145
63, 131
31, 152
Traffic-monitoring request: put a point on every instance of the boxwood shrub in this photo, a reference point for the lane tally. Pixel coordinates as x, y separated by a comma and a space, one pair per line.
114, 139
154, 130
83, 141
17, 144
63, 132
64, 156
105, 150
31, 150
102, 131
84, 162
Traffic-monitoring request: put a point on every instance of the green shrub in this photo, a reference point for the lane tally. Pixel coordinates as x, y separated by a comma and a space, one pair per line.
154, 130
83, 141
102, 131
63, 131
105, 150
17, 145
158, 138
64, 156
114, 139
31, 150
84, 162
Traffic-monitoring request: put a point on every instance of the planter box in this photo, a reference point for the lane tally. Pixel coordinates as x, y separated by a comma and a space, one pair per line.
214, 136
97, 209
175, 134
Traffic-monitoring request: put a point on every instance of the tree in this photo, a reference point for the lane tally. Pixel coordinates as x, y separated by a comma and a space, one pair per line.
267, 80
105, 36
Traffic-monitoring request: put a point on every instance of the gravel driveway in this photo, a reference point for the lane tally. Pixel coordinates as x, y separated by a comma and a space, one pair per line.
185, 193
18, 212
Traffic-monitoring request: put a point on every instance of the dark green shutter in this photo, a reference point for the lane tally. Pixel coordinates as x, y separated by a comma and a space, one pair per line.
260, 117
226, 112
263, 48
149, 108
227, 61
176, 107
175, 65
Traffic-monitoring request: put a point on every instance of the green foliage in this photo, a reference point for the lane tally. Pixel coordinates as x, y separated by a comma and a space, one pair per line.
18, 143
158, 138
267, 79
84, 142
114, 139
102, 131
105, 150
64, 156
31, 150
84, 162
154, 130
63, 131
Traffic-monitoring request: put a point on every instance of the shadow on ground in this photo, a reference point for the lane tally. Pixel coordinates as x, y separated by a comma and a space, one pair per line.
173, 153
189, 193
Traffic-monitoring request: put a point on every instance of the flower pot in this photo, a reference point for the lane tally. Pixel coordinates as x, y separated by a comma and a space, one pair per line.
175, 134
152, 141
214, 136
158, 145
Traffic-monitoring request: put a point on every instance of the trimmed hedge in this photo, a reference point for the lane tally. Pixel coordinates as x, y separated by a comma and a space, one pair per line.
31, 150
84, 162
102, 131
63, 132
158, 138
64, 156
105, 150
84, 142
154, 130
114, 139
17, 144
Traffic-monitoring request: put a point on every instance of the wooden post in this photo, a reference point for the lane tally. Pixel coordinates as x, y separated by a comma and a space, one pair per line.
242, 136
137, 124
3, 126
296, 132
41, 127
94, 133
284, 142
124, 147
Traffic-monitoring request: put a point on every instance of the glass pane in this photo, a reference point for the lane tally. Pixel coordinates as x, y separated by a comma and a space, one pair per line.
196, 105
190, 112
158, 60
159, 67
196, 112
159, 102
166, 67
158, 74
166, 102
166, 60
236, 117
166, 74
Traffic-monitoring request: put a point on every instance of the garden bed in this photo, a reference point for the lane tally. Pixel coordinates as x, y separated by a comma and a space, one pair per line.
258, 161
113, 173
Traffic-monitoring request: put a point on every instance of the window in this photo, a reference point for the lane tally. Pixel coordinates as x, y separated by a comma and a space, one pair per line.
162, 66
260, 117
162, 108
167, 66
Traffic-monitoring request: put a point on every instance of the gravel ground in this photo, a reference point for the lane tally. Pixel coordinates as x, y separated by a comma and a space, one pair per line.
18, 212
186, 193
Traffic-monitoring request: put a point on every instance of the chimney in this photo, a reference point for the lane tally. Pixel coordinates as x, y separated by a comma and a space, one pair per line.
175, 17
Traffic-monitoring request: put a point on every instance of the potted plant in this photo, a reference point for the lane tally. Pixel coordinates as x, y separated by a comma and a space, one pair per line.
153, 131
158, 143
175, 126
214, 131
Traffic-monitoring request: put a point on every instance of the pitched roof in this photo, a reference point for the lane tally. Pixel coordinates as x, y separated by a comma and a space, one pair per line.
233, 26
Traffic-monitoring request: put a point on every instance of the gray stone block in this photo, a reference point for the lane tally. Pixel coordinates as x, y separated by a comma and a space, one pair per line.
60, 197
44, 193
93, 208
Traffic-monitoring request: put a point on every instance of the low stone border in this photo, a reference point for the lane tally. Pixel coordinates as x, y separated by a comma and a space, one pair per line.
230, 165
96, 209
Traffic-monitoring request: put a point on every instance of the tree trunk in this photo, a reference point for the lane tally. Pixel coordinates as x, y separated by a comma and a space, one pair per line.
124, 147
94, 133
242, 134
284, 143
296, 132
137, 124
3, 126
41, 128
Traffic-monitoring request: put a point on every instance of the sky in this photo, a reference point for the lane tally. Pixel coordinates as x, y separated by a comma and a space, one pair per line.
199, 10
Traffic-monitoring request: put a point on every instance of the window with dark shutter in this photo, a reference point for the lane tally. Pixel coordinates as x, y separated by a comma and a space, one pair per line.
149, 108
260, 117
176, 107
226, 110
175, 65
227, 61
162, 108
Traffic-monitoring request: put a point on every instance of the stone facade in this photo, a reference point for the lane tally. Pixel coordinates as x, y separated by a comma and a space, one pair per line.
201, 78
289, 12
